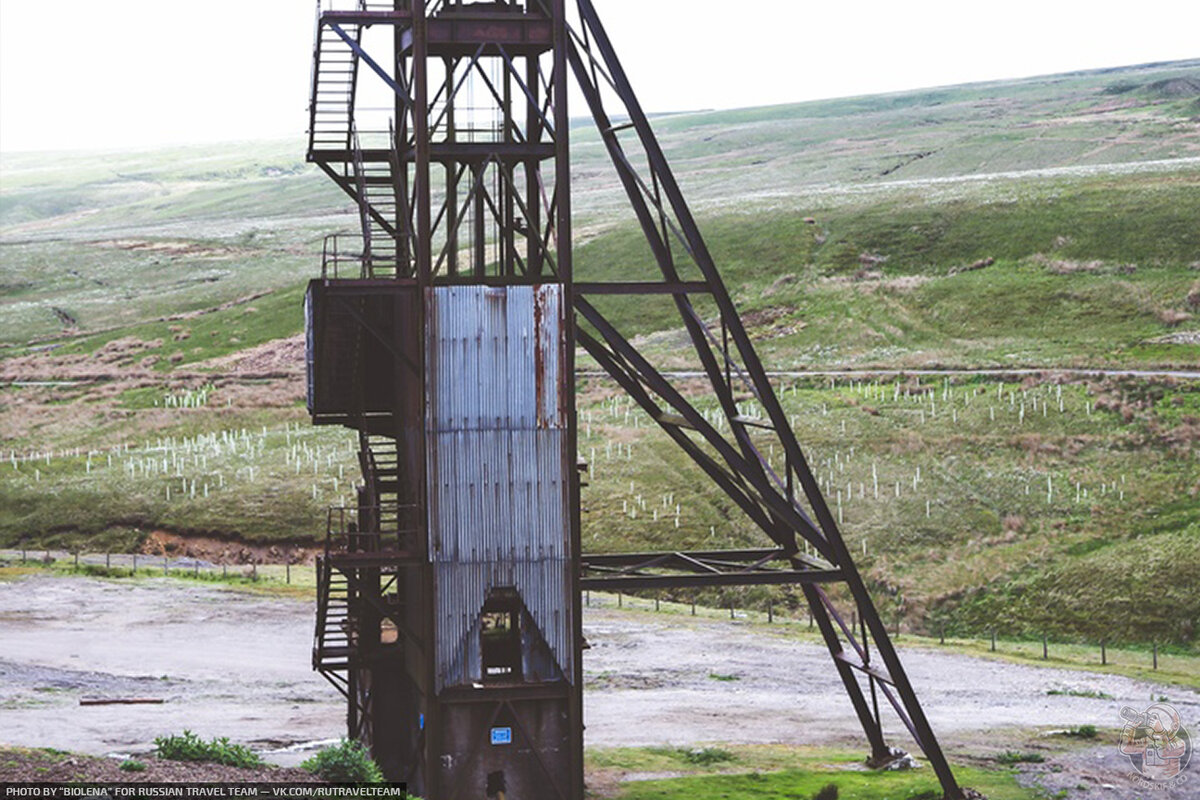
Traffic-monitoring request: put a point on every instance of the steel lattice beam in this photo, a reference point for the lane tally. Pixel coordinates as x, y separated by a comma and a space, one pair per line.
409, 236
663, 213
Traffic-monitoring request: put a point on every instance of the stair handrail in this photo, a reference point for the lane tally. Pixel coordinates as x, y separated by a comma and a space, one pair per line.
364, 213
339, 538
334, 252
312, 77
404, 229
322, 604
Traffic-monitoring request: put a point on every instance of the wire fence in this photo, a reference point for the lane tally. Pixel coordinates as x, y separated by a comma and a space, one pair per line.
1046, 648
1094, 653
166, 565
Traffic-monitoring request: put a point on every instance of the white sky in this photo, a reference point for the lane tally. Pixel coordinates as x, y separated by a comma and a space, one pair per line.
83, 74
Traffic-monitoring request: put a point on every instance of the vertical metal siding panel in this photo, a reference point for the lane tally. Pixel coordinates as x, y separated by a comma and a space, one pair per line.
498, 502
519, 365
309, 349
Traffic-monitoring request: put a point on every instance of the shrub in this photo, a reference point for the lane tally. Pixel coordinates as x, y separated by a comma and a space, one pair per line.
723, 678
130, 765
827, 792
345, 762
1014, 757
1094, 693
190, 747
704, 756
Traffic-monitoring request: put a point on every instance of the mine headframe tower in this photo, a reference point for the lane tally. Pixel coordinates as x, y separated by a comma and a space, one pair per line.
444, 333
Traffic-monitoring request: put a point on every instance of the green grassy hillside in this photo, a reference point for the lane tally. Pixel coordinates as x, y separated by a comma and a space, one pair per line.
1089, 167
1080, 271
1047, 222
970, 503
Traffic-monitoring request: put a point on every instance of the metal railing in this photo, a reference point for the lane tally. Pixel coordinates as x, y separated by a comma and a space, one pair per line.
371, 529
335, 252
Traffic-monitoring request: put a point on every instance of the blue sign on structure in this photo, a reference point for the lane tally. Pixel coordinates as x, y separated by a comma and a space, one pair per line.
501, 735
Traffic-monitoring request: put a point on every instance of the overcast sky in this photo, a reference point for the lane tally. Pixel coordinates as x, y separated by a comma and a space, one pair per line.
81, 74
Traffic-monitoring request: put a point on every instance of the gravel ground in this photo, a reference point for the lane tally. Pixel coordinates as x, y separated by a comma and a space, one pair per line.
22, 765
236, 664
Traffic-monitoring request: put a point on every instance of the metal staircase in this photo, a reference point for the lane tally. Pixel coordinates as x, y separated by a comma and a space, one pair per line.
376, 190
369, 175
365, 548
380, 465
334, 79
334, 641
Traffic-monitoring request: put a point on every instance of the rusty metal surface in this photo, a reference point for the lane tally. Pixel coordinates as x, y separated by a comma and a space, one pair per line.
463, 393
498, 500
361, 342
462, 589
495, 358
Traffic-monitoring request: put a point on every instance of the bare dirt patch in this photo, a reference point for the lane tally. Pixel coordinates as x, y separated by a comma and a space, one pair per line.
190, 249
224, 551
230, 663
120, 358
225, 663
276, 356
26, 765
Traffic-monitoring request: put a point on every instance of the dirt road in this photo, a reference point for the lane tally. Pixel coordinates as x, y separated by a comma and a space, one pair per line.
230, 663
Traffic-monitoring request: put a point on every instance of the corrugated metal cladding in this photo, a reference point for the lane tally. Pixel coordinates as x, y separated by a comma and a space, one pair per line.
310, 349
497, 465
496, 356
462, 588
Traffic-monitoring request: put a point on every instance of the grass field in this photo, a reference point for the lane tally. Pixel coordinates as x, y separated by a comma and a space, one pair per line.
1082, 187
1047, 222
1080, 272
1080, 492
776, 771
1040, 490
740, 772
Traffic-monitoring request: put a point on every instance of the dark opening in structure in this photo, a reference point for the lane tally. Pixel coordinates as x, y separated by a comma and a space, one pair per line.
500, 638
495, 784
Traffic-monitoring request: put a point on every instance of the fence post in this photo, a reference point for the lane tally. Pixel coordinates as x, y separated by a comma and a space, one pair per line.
77, 561
166, 563
22, 555
587, 598
770, 613
993, 640
656, 602
254, 572
693, 608
731, 609
196, 569
287, 571
107, 560
1045, 649
1156, 656
134, 564
810, 619
620, 600
224, 571
942, 634
1103, 653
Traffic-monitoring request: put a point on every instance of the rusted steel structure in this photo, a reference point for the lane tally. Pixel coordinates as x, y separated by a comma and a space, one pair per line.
445, 331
